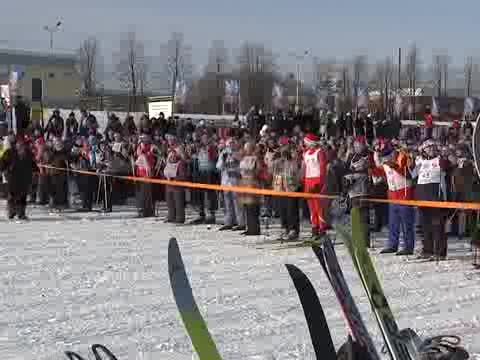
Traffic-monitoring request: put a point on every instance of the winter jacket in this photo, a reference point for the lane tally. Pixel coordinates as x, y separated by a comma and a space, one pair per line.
145, 162
357, 177
434, 189
18, 170
206, 159
286, 175
229, 168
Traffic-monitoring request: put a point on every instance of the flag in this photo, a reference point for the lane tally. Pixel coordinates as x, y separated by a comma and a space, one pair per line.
439, 105
362, 97
180, 92
278, 98
471, 105
398, 104
232, 87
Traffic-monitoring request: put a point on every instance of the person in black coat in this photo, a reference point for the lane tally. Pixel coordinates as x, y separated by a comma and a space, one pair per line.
18, 164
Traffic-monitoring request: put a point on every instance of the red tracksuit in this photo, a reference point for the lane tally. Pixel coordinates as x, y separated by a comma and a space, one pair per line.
314, 174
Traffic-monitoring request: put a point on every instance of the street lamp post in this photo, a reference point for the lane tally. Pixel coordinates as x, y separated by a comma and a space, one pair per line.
51, 30
298, 57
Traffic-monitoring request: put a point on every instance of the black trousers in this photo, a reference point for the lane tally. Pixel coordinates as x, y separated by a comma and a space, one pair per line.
175, 197
433, 228
105, 187
59, 191
381, 216
86, 186
34, 188
145, 202
16, 203
252, 213
289, 213
209, 195
44, 185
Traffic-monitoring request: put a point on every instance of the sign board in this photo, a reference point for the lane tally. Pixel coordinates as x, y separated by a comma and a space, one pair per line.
156, 107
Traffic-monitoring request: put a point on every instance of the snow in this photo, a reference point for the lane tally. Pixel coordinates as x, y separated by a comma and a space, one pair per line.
71, 281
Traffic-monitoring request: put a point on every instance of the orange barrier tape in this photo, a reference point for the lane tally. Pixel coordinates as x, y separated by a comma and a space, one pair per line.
238, 189
256, 191
430, 204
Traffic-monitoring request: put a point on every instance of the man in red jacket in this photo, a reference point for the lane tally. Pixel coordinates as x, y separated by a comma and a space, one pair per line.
314, 169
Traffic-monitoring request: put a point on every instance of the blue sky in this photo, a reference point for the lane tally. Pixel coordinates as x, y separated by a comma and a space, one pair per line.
340, 28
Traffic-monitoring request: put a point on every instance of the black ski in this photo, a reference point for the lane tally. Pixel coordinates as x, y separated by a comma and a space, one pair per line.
316, 321
74, 356
328, 259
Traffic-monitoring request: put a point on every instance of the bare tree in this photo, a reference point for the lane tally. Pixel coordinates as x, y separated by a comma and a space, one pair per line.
142, 77
325, 79
360, 74
256, 68
216, 71
383, 82
412, 74
468, 75
345, 87
440, 73
131, 66
445, 73
88, 56
177, 60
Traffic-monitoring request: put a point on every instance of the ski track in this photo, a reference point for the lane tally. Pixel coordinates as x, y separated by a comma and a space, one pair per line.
73, 280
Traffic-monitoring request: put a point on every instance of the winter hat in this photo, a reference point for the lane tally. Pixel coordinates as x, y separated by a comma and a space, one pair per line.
229, 141
360, 139
20, 139
264, 130
144, 138
283, 140
426, 144
310, 140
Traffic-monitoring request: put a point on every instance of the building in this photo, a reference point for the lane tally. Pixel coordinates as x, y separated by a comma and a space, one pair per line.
50, 77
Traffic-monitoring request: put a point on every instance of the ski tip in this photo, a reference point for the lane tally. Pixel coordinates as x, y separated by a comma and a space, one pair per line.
317, 250
104, 349
172, 244
174, 256
73, 355
290, 267
294, 271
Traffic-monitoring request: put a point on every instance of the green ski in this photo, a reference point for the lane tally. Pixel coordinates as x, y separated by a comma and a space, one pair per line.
356, 246
192, 319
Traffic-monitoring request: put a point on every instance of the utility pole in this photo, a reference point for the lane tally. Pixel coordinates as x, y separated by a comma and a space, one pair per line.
52, 30
399, 69
298, 59
219, 88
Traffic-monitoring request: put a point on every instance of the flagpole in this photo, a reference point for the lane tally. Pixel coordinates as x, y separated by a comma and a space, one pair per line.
239, 100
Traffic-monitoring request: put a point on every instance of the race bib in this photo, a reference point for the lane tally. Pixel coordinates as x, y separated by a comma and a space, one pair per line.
170, 171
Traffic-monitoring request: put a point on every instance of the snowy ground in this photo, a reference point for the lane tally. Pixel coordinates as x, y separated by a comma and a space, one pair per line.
70, 282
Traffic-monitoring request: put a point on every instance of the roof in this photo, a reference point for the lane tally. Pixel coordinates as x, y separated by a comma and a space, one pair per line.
25, 57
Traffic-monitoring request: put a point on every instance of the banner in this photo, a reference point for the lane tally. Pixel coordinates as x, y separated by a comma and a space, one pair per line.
471, 105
